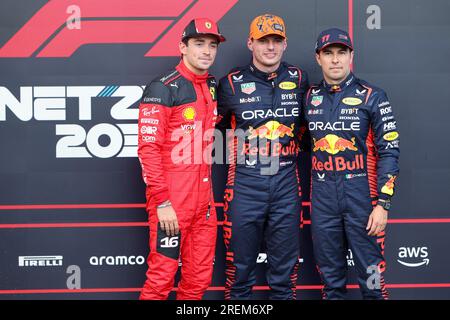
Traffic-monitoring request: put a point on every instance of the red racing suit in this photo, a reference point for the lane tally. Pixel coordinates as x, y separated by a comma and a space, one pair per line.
177, 116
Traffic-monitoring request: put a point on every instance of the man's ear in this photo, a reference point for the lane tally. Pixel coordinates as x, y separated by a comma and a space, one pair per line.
183, 47
318, 59
250, 44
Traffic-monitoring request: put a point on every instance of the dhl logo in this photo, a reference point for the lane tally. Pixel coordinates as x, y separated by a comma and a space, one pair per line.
271, 130
333, 144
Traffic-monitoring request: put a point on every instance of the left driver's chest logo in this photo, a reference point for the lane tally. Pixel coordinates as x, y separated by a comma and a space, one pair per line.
189, 114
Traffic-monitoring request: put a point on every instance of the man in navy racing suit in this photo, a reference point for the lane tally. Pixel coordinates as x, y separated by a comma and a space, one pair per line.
355, 151
263, 102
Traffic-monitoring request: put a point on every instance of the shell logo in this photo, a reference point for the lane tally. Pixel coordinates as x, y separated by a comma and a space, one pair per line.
352, 101
288, 85
189, 113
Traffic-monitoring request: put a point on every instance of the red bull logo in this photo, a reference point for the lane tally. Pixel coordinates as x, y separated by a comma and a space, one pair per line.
388, 187
271, 130
333, 144
338, 163
277, 149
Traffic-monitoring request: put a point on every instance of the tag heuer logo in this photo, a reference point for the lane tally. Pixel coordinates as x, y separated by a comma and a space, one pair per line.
248, 88
317, 101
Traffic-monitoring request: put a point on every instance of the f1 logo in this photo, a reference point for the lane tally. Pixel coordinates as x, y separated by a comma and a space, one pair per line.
45, 35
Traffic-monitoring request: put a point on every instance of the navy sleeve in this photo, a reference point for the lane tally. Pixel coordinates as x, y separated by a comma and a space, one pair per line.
223, 103
386, 139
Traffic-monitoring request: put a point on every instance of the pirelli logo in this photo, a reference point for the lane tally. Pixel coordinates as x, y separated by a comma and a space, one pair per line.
40, 261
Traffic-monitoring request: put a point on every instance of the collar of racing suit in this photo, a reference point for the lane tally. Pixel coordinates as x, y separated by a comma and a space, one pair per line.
339, 87
191, 76
264, 75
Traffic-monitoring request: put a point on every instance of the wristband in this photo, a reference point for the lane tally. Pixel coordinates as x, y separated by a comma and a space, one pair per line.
165, 204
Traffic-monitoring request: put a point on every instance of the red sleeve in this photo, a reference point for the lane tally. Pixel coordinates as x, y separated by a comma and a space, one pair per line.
154, 114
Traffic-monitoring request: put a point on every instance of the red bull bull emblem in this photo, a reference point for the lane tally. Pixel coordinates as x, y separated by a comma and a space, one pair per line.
388, 187
333, 144
271, 130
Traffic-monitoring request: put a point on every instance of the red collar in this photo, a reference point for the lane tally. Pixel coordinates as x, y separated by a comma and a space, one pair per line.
191, 76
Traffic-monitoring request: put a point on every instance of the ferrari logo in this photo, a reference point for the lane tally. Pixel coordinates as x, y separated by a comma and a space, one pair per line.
208, 25
212, 90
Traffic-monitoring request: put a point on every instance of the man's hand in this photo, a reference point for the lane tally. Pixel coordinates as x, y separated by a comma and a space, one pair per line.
377, 221
168, 220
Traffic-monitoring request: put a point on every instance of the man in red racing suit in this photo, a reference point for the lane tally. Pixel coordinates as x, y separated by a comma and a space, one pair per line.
177, 116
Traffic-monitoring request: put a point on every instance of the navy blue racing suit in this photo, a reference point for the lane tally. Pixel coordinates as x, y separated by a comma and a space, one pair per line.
262, 196
355, 151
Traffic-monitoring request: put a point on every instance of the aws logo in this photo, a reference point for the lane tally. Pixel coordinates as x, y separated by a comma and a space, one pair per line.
61, 27
413, 257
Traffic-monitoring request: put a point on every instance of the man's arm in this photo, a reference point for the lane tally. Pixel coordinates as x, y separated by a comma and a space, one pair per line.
386, 140
154, 114
304, 134
304, 83
223, 111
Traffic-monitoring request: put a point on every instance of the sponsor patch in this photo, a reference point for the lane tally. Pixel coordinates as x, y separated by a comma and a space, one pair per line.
287, 85
391, 136
316, 100
248, 88
352, 101
189, 113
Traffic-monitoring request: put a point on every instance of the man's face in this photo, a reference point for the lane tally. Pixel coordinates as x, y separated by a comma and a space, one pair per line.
335, 61
267, 51
199, 53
